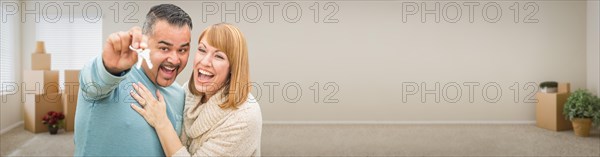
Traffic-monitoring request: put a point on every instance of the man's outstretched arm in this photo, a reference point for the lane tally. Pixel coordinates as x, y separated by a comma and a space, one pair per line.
104, 73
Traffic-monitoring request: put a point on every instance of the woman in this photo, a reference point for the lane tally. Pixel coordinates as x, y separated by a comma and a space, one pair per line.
216, 122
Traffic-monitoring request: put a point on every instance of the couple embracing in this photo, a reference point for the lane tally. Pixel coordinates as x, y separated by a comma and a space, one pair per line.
127, 111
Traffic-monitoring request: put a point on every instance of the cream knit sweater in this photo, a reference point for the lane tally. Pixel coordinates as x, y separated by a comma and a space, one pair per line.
209, 130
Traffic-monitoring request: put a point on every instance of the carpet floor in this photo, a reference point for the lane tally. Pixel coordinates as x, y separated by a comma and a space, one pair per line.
367, 140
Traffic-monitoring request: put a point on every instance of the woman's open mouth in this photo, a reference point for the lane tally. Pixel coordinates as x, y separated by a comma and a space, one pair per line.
204, 76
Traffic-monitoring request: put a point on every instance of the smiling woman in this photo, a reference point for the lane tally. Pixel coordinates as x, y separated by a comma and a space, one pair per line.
216, 122
222, 58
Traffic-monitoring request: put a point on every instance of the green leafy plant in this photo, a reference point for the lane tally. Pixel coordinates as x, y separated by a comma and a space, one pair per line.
582, 104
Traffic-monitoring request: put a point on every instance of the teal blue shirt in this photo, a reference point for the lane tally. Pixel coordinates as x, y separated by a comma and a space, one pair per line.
106, 125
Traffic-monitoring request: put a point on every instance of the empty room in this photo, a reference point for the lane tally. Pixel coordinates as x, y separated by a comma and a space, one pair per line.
300, 78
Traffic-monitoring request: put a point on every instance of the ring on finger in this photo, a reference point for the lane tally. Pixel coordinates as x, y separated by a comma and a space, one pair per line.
143, 104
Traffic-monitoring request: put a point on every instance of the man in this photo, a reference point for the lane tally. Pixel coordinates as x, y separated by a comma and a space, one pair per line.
105, 124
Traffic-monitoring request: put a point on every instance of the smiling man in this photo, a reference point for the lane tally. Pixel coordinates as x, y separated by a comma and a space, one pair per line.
105, 125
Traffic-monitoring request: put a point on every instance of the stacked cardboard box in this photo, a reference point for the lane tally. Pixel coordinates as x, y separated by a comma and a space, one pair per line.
40, 60
40, 81
40, 90
69, 98
549, 109
38, 105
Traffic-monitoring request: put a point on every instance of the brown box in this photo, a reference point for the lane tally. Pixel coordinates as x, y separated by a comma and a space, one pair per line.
549, 109
40, 81
564, 88
71, 82
38, 105
69, 98
72, 76
40, 61
69, 103
39, 47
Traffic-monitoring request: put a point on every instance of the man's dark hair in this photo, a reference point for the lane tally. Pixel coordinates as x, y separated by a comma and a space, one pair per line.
168, 12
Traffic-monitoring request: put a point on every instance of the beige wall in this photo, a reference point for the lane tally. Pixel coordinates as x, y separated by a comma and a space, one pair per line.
593, 48
370, 53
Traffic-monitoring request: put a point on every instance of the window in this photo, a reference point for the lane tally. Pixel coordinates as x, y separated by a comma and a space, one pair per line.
72, 45
7, 54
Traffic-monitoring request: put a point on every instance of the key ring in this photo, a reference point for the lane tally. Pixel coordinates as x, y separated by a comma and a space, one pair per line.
143, 54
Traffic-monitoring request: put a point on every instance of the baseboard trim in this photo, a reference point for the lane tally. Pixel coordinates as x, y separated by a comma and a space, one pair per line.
352, 123
390, 122
4, 130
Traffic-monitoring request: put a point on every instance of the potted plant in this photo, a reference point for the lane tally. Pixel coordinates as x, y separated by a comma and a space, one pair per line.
549, 87
582, 108
54, 121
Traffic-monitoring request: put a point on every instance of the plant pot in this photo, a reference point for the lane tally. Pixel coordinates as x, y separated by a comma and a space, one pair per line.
53, 130
581, 126
548, 90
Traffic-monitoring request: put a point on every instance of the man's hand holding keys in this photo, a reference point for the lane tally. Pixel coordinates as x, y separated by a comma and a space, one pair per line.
117, 55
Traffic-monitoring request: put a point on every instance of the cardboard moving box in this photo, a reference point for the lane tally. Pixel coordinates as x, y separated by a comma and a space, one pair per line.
40, 61
69, 99
72, 76
38, 105
71, 82
40, 81
39, 47
549, 109
69, 103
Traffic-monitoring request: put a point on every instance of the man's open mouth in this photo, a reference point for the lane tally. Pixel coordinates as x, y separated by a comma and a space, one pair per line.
168, 70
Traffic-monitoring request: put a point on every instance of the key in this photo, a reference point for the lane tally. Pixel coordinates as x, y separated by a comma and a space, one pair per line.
143, 54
